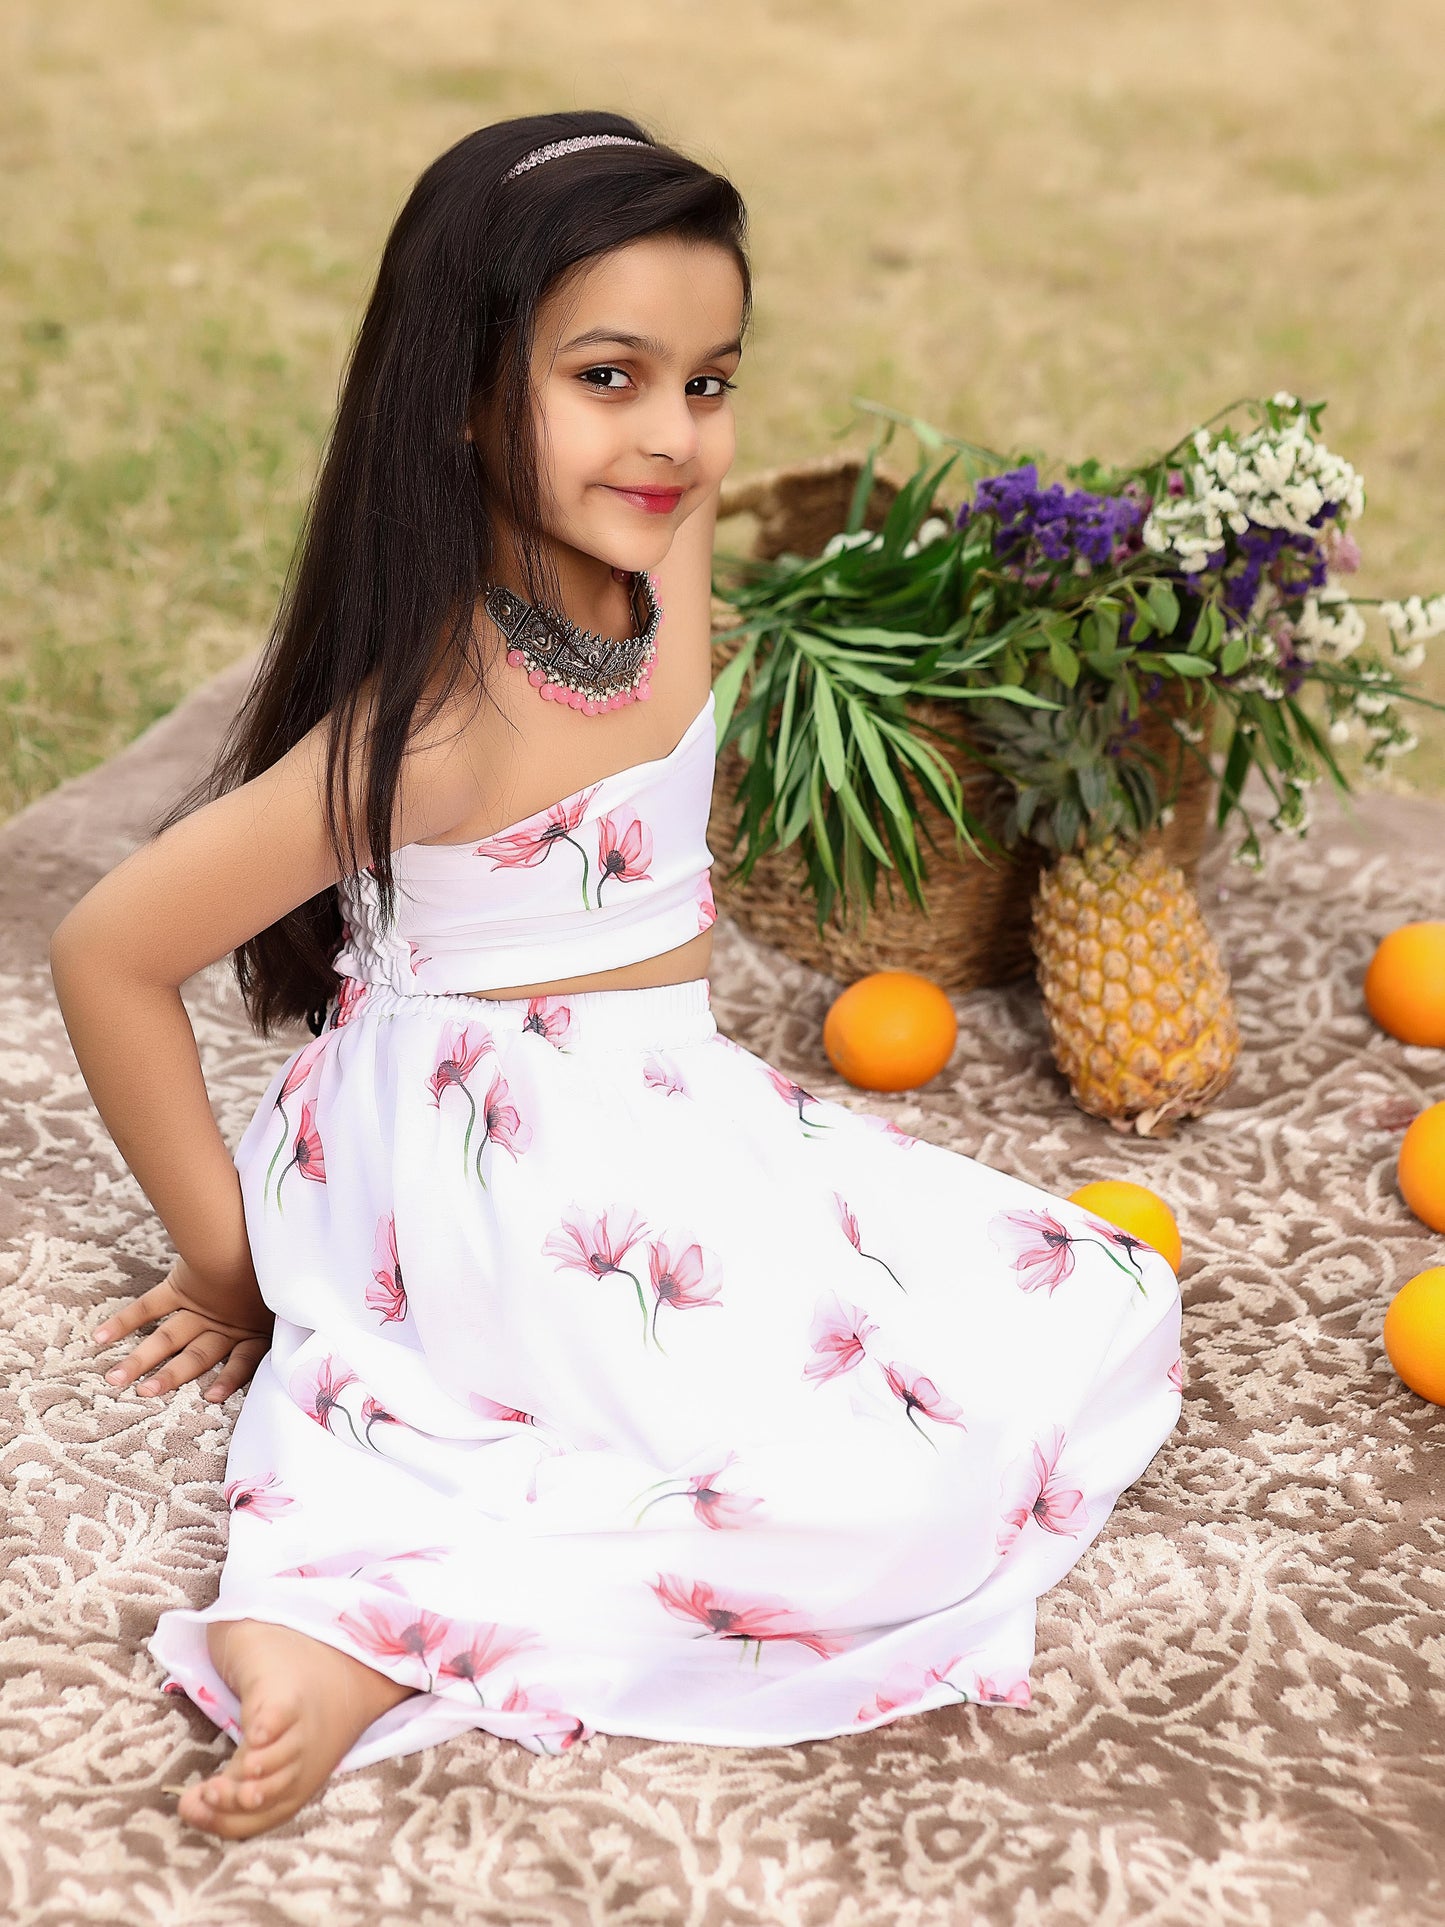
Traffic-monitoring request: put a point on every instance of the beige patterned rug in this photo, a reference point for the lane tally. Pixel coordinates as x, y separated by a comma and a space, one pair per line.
1239, 1695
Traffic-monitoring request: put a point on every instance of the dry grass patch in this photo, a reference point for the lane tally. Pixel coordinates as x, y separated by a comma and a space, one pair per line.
1082, 228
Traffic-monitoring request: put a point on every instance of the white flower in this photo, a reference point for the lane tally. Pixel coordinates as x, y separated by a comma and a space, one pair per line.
863, 538
1414, 620
1330, 625
1340, 731
1284, 399
933, 530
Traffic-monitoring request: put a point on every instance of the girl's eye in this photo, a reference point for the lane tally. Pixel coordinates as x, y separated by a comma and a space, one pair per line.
589, 373
719, 386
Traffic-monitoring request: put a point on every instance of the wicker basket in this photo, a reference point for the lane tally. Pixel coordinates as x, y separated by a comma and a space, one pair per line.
976, 928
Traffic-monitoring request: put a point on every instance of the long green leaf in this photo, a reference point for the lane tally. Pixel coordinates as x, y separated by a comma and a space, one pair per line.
875, 756
830, 735
727, 683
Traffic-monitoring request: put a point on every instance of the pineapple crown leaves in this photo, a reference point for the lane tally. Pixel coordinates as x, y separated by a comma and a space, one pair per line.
1076, 772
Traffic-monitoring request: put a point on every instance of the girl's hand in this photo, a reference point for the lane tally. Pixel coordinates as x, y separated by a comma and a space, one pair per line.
201, 1325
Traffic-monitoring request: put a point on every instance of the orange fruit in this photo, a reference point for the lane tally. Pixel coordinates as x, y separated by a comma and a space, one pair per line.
1415, 1333
1136, 1209
1421, 1169
1405, 983
890, 1031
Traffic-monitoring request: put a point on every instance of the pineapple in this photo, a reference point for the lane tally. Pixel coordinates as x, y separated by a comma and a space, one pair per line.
1137, 999
1138, 1002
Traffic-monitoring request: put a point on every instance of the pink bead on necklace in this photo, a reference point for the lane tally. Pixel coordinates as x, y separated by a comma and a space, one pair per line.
568, 664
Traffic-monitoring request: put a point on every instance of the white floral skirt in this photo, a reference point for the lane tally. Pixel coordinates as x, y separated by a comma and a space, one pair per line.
619, 1384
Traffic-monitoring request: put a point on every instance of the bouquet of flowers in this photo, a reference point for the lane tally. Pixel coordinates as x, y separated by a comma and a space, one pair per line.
1205, 581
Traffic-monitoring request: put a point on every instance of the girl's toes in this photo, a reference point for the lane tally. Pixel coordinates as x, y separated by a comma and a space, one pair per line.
255, 1762
225, 1793
257, 1795
195, 1809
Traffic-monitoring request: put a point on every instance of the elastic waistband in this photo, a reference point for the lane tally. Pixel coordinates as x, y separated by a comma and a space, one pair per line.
661, 1014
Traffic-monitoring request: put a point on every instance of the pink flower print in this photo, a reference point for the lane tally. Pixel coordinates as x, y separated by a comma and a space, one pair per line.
905, 1685
301, 1068
502, 1124
403, 1631
920, 1394
549, 1017
373, 1412
624, 850
461, 1049
346, 1565
839, 1337
253, 1496
736, 1616
416, 959
489, 1647
386, 1294
489, 1408
318, 1392
715, 1508
348, 1000
682, 1282
295, 1077
992, 1692
1038, 1246
855, 1238
1176, 1374
658, 1075
887, 1128
555, 1730
1054, 1506
593, 1248
706, 903
533, 841
795, 1095
203, 1697
306, 1153
1112, 1236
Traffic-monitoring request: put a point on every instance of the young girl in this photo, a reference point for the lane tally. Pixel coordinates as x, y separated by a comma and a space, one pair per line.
601, 1377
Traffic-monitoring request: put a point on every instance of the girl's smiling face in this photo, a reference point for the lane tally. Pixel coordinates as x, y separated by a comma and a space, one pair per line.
631, 365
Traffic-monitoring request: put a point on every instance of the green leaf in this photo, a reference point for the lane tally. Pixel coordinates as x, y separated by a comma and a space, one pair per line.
862, 489
728, 682
821, 839
783, 750
1163, 605
1187, 665
1236, 655
830, 736
875, 756
1063, 661
1208, 631
865, 829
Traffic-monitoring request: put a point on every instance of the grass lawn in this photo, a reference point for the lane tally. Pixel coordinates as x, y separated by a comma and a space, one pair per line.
1077, 227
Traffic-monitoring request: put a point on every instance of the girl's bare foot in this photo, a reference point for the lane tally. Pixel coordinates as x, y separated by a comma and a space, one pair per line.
303, 1705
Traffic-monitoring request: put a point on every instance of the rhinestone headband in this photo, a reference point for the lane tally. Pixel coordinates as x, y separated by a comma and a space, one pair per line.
554, 148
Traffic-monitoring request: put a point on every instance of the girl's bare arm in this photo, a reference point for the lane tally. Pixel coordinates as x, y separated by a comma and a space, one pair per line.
177, 904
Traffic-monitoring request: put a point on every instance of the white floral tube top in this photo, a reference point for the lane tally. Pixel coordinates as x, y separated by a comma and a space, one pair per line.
614, 873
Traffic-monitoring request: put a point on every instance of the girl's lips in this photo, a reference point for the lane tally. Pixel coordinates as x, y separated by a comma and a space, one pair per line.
653, 501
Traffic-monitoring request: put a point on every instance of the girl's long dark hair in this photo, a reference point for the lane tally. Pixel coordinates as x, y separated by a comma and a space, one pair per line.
398, 538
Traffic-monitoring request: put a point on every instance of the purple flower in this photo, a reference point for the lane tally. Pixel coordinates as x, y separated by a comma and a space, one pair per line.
1055, 525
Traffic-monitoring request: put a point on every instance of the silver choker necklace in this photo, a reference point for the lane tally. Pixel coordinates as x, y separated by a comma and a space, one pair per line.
569, 664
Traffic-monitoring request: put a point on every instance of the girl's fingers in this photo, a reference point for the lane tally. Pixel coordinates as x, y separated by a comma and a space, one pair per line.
150, 1305
198, 1356
155, 1349
238, 1368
